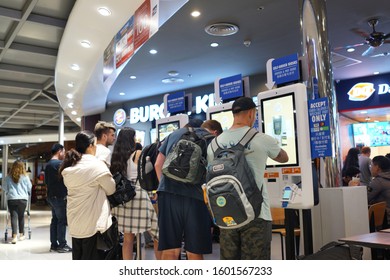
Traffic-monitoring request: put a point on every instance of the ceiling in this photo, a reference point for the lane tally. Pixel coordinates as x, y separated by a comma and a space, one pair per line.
34, 62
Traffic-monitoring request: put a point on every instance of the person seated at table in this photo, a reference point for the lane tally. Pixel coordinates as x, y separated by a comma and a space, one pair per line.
351, 176
379, 188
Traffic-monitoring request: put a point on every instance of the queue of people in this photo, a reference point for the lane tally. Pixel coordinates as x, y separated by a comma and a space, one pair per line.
79, 181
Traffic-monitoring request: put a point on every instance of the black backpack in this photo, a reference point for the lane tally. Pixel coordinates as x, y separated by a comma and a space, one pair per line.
147, 176
186, 161
233, 196
124, 192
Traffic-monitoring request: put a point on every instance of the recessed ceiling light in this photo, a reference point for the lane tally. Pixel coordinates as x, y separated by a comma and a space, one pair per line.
70, 105
376, 73
350, 50
173, 73
71, 84
172, 80
195, 13
85, 44
78, 119
40, 140
363, 112
133, 77
75, 67
19, 140
153, 51
69, 95
214, 45
74, 113
104, 11
122, 93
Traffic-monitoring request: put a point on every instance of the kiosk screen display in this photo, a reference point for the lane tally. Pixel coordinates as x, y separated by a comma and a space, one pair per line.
279, 121
225, 118
164, 129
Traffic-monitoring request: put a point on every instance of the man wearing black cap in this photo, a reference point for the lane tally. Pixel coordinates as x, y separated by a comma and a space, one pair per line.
181, 208
252, 241
56, 197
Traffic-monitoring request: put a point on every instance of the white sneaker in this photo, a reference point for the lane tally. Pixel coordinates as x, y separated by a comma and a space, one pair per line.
22, 237
14, 239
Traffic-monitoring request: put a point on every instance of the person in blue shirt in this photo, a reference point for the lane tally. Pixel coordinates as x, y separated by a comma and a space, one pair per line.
17, 189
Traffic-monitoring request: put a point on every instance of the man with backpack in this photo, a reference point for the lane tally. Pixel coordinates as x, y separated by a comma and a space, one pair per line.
252, 240
182, 213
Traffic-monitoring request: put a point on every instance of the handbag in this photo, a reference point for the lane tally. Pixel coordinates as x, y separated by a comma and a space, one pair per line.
125, 190
110, 238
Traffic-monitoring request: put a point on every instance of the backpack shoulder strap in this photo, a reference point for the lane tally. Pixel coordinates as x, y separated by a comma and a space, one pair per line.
248, 137
214, 145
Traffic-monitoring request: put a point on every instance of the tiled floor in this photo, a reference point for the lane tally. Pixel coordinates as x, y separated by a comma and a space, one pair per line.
37, 248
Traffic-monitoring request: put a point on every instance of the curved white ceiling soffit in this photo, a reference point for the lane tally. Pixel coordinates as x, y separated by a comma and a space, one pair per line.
82, 92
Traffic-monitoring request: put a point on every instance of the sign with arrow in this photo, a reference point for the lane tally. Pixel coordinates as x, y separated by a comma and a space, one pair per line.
282, 70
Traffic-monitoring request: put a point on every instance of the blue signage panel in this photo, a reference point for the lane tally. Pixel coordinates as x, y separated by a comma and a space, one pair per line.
231, 87
285, 69
319, 124
362, 93
176, 102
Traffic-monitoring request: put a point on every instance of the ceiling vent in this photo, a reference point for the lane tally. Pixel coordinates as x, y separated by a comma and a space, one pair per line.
221, 29
339, 61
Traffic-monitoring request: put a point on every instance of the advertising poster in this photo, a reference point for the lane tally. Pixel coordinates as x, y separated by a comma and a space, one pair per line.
109, 60
145, 22
124, 48
319, 124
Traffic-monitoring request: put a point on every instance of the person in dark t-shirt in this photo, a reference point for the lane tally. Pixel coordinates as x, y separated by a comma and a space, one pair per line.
56, 197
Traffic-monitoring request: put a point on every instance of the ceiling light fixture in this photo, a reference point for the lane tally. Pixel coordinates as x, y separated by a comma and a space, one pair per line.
122, 93
74, 113
75, 67
71, 84
376, 73
104, 11
195, 14
133, 77
363, 112
69, 95
172, 80
70, 105
350, 50
214, 45
173, 73
78, 119
85, 44
152, 51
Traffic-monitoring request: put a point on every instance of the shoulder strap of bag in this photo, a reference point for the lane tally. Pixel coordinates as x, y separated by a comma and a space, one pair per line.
248, 137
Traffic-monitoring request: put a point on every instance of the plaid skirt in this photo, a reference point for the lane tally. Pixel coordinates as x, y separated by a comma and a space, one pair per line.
137, 215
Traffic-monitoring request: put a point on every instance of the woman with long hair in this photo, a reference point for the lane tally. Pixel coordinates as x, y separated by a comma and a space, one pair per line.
137, 215
17, 189
88, 181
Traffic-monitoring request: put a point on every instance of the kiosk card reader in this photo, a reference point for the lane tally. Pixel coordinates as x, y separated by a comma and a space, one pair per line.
283, 114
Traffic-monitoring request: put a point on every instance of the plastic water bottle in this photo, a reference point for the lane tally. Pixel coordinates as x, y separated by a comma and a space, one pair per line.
148, 165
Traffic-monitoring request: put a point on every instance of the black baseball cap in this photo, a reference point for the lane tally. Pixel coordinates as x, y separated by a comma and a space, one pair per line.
243, 104
195, 123
55, 148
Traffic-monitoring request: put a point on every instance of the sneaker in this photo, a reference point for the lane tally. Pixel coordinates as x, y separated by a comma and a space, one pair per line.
22, 237
65, 249
53, 249
14, 239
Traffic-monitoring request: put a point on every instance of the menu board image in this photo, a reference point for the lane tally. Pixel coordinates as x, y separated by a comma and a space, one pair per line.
164, 129
279, 121
372, 134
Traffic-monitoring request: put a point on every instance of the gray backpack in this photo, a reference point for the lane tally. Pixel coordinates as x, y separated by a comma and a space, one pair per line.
186, 161
233, 196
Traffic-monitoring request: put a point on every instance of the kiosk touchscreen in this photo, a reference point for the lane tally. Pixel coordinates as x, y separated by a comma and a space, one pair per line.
168, 125
283, 114
221, 113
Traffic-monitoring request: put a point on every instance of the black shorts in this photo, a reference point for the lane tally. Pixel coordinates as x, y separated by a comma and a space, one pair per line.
183, 218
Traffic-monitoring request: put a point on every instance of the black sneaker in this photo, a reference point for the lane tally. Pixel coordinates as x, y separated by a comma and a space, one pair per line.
53, 249
65, 249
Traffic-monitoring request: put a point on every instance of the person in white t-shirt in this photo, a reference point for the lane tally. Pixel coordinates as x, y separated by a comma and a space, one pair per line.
105, 134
